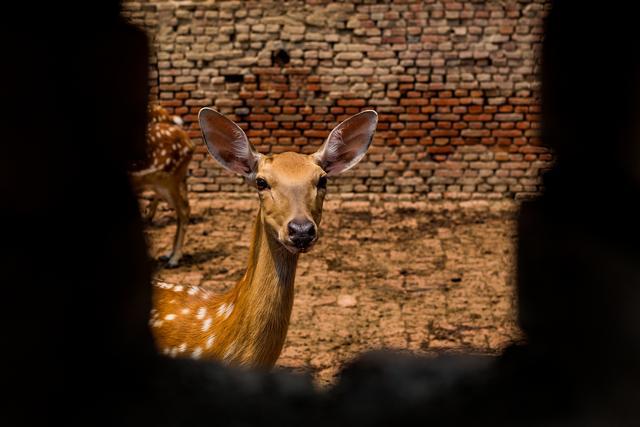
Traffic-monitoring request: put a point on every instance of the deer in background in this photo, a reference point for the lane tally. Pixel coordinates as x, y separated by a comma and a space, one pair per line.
158, 114
169, 151
247, 325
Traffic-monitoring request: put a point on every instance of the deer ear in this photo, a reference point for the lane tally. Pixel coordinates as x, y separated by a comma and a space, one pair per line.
347, 143
227, 143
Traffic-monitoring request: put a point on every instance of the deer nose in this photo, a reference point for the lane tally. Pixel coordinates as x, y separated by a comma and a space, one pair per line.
301, 232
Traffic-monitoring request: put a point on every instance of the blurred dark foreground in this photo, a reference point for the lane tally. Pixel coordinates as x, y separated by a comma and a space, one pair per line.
74, 257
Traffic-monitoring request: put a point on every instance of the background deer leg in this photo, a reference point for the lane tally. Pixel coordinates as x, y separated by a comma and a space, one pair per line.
182, 212
174, 196
150, 211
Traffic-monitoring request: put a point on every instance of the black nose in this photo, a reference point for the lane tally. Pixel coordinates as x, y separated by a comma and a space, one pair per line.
301, 232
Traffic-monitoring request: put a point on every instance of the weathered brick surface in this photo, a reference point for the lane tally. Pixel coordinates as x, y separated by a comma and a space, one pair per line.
455, 84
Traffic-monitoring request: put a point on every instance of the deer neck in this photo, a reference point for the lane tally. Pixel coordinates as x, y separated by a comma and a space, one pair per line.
271, 268
263, 298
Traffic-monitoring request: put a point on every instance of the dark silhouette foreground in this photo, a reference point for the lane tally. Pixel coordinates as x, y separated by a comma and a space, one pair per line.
74, 258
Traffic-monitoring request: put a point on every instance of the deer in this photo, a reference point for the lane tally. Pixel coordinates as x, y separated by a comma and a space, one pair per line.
169, 151
247, 325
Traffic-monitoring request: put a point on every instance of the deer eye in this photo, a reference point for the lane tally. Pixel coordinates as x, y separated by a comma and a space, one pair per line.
322, 182
262, 184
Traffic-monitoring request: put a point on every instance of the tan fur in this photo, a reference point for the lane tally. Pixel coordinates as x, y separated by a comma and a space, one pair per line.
255, 330
169, 151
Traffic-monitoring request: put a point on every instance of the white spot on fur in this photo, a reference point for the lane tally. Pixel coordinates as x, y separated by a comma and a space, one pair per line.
163, 152
210, 340
182, 348
167, 162
178, 288
192, 290
201, 313
206, 324
169, 317
225, 310
185, 311
222, 308
157, 323
229, 310
197, 352
164, 285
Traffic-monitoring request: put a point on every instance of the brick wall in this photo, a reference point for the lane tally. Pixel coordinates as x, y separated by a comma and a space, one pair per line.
454, 83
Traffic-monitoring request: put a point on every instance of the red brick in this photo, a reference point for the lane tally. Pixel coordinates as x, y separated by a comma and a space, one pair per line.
407, 61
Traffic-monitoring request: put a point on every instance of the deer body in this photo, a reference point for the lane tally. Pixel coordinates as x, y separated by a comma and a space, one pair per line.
248, 324
169, 151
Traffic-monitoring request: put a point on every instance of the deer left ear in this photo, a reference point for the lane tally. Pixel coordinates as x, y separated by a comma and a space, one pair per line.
347, 143
228, 143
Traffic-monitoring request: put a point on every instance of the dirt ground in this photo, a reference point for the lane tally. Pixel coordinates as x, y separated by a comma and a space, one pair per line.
388, 272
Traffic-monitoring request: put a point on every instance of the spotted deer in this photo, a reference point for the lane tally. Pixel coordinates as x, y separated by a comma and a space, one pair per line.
247, 325
158, 114
169, 152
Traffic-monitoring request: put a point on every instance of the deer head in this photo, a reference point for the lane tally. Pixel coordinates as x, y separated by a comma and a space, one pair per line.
291, 186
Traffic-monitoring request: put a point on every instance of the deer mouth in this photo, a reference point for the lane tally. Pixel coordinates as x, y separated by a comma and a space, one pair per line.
299, 246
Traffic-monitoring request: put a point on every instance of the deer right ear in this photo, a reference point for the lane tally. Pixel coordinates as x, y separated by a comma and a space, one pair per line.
228, 143
347, 143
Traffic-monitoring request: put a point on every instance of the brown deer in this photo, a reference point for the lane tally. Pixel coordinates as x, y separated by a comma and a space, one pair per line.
169, 152
247, 325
